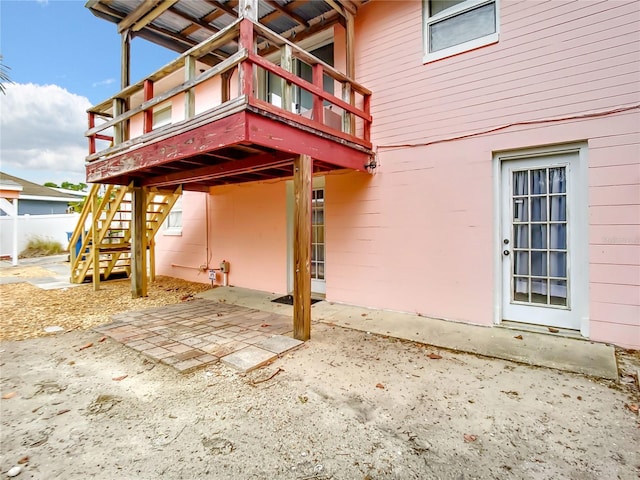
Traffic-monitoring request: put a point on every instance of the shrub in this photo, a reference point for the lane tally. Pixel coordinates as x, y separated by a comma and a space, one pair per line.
41, 247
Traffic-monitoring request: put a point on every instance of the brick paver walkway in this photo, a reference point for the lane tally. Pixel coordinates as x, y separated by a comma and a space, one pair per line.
201, 332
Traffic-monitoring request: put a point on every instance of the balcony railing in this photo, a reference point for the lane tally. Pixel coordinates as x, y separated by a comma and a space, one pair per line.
208, 93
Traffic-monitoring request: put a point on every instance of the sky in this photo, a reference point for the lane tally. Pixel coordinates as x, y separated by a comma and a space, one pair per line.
62, 60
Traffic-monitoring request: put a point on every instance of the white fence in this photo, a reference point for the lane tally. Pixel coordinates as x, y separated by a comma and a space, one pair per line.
48, 227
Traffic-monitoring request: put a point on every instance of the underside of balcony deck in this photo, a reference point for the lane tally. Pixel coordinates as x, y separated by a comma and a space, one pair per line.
230, 144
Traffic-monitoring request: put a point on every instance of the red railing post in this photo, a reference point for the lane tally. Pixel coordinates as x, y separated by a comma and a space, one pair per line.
92, 137
366, 106
245, 69
318, 73
148, 114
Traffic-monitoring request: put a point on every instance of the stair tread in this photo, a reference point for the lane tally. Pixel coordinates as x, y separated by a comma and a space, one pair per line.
116, 256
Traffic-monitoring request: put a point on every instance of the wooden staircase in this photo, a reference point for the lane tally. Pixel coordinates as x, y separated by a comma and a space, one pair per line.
101, 241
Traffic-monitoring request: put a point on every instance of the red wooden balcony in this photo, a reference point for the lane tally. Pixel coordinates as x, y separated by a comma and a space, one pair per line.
225, 126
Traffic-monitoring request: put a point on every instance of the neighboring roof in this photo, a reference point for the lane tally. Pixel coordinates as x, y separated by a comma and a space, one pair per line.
73, 193
182, 24
6, 184
32, 190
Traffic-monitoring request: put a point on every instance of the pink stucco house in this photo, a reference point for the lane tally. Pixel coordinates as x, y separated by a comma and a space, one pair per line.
477, 161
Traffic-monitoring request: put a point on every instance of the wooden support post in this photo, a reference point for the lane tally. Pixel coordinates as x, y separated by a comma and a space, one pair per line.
346, 116
248, 9
125, 59
118, 128
148, 114
138, 242
92, 138
318, 74
189, 95
225, 91
351, 65
125, 78
95, 248
286, 62
302, 189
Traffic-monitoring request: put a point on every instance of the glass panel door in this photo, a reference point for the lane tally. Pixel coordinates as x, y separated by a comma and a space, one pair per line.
539, 246
539, 199
317, 240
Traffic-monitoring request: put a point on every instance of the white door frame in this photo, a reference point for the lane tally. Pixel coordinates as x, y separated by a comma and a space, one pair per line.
318, 182
580, 224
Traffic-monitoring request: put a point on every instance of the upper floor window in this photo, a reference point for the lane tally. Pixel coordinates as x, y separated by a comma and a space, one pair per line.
162, 115
455, 26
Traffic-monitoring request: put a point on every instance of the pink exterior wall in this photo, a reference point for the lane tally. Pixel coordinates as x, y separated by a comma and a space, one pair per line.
420, 235
247, 227
182, 256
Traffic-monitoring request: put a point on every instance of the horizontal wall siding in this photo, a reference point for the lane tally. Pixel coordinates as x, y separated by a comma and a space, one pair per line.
246, 227
553, 59
614, 214
420, 236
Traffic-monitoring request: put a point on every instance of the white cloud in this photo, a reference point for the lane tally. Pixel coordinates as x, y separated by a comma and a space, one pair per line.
42, 131
101, 83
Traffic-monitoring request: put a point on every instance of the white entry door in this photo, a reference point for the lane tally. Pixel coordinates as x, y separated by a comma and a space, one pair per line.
540, 244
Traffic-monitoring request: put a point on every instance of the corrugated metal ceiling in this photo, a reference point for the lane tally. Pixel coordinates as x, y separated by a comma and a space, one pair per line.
188, 22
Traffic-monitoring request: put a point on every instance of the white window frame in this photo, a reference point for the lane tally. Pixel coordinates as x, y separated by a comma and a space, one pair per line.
174, 229
161, 110
452, 12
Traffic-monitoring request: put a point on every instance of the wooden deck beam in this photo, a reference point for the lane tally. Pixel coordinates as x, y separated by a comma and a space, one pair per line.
234, 167
286, 136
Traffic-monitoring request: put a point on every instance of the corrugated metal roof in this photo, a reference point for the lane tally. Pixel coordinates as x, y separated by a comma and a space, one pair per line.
171, 25
194, 9
311, 10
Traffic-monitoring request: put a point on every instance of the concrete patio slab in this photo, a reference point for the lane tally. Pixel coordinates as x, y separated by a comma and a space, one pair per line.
279, 344
540, 348
198, 333
248, 358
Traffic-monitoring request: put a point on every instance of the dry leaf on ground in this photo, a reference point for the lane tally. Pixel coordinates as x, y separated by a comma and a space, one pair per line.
9, 395
434, 356
468, 438
379, 385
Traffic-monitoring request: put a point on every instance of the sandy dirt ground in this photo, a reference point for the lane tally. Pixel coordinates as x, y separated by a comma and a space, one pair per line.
346, 405
27, 310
